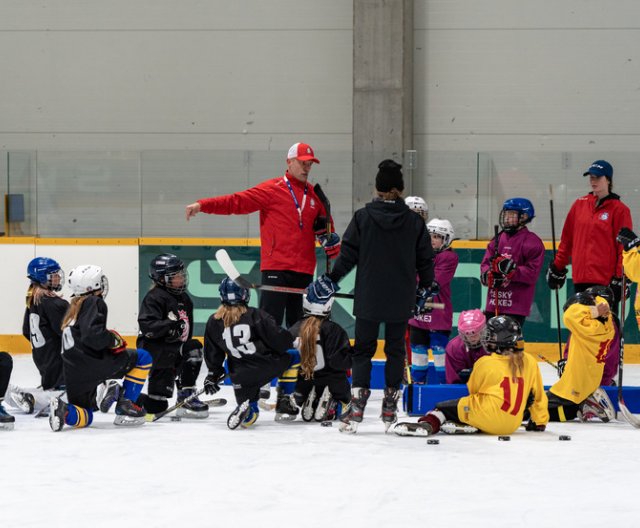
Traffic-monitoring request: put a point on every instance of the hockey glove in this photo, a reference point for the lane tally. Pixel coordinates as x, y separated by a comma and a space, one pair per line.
331, 244
424, 296
120, 345
504, 267
628, 239
556, 277
464, 375
213, 380
616, 287
533, 426
321, 290
176, 330
560, 366
491, 279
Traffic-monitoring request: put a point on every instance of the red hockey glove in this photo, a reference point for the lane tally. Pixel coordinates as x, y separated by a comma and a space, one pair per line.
331, 244
503, 266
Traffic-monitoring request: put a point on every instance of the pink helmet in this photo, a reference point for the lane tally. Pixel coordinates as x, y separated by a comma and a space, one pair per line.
471, 323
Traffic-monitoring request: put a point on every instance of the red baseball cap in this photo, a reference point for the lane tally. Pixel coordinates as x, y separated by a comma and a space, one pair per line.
303, 152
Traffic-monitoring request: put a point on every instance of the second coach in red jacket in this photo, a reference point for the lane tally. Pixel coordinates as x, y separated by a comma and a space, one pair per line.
291, 217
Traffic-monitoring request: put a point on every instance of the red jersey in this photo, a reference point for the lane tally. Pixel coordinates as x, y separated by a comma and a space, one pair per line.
287, 239
589, 239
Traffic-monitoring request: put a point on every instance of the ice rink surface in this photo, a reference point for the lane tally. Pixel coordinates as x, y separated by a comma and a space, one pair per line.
198, 473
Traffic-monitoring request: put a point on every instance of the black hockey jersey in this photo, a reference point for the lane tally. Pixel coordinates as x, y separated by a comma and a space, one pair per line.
333, 351
42, 326
159, 312
251, 346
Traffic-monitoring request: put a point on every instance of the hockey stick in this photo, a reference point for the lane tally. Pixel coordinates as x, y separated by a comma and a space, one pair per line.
553, 241
327, 207
229, 268
215, 402
626, 413
189, 399
496, 238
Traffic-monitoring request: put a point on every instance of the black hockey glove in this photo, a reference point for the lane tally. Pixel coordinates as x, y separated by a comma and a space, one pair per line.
424, 296
616, 288
213, 380
176, 330
628, 239
464, 375
560, 366
504, 266
533, 426
556, 277
321, 290
492, 279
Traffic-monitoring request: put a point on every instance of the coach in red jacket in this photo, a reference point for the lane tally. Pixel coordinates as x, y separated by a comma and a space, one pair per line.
291, 217
589, 237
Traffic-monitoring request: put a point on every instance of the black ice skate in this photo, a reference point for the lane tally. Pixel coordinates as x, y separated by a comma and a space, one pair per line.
286, 408
194, 408
57, 414
6, 420
239, 414
389, 414
355, 411
108, 394
129, 413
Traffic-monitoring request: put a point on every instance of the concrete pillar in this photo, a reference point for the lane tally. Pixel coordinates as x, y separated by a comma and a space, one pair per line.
382, 90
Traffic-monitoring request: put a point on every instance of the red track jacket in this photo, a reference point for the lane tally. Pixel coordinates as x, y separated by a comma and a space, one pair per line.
284, 244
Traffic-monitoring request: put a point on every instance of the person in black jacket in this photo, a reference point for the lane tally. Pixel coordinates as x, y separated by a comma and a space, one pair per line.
325, 358
6, 366
42, 326
389, 244
93, 354
166, 331
256, 348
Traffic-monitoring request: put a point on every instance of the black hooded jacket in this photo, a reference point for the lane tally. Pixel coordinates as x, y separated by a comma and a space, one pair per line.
389, 244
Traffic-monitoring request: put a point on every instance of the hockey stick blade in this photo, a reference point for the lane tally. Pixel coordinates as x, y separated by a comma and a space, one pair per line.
215, 402
631, 418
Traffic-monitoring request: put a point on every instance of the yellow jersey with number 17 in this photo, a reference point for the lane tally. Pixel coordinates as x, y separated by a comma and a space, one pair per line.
496, 401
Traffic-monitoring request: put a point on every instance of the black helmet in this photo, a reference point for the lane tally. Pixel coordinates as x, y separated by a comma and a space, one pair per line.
580, 298
165, 270
602, 291
502, 333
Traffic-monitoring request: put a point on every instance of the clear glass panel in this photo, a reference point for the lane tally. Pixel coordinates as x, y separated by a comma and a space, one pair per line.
20, 200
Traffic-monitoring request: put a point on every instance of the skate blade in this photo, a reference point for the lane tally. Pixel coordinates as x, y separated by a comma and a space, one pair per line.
129, 421
285, 417
238, 415
402, 429
196, 415
348, 428
7, 426
452, 428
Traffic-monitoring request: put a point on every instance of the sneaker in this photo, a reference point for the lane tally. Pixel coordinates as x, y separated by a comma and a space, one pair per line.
239, 415
25, 401
129, 413
57, 414
194, 408
598, 405
286, 408
252, 416
389, 413
108, 394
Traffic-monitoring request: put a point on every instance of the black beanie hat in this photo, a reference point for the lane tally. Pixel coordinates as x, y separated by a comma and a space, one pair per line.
389, 176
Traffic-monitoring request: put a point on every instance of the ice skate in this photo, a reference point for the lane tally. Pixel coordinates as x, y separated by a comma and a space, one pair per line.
194, 408
389, 413
286, 408
108, 394
355, 410
25, 401
265, 391
413, 429
239, 414
6, 420
598, 405
326, 409
129, 413
309, 406
454, 428
252, 416
57, 414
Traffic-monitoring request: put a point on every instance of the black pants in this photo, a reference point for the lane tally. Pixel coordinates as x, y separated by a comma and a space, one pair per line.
337, 382
275, 303
6, 366
561, 410
366, 335
450, 410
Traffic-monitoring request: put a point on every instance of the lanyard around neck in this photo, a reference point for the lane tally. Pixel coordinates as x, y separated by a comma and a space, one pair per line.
295, 200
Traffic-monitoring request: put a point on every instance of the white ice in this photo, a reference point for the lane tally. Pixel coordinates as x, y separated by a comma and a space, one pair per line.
201, 474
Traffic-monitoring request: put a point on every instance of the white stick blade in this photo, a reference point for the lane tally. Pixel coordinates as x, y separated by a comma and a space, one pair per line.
227, 265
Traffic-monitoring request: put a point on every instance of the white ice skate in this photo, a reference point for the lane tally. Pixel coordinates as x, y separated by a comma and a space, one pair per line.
598, 405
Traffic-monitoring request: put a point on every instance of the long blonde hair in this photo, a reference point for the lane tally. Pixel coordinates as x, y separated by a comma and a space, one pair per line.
35, 293
73, 310
309, 331
229, 314
516, 363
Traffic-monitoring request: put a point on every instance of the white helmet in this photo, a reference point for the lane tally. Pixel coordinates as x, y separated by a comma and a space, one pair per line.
321, 310
444, 229
88, 278
418, 205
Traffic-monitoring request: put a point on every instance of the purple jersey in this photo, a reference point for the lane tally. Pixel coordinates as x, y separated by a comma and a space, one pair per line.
446, 263
527, 251
458, 357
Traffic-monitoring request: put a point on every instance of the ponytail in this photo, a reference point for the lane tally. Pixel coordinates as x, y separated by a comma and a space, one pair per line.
309, 331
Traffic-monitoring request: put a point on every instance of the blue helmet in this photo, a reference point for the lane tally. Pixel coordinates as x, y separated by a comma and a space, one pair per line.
525, 211
41, 270
232, 294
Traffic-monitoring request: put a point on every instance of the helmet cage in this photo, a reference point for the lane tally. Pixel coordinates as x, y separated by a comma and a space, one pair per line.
502, 334
44, 271
525, 211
